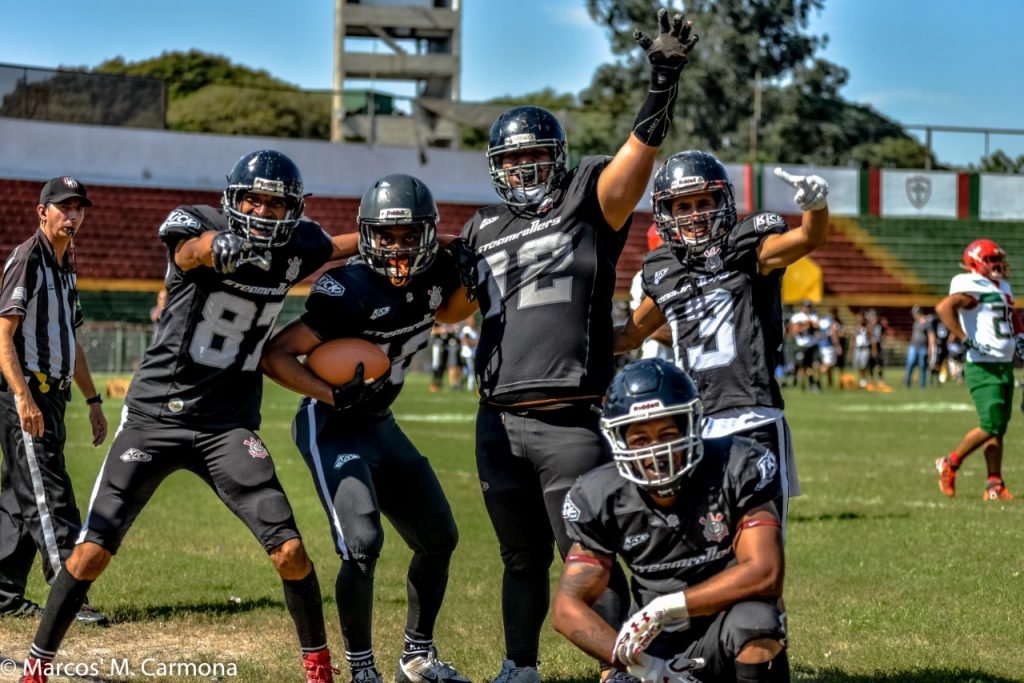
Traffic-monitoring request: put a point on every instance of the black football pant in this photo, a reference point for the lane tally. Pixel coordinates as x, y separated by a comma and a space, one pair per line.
527, 461
38, 512
364, 466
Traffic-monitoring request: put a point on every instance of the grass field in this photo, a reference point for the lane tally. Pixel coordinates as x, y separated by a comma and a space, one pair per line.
887, 580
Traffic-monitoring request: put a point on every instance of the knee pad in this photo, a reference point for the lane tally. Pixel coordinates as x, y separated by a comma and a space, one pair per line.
537, 559
773, 671
750, 620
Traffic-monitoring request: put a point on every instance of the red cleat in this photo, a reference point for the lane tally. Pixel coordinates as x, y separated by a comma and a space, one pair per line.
34, 671
947, 476
997, 491
318, 667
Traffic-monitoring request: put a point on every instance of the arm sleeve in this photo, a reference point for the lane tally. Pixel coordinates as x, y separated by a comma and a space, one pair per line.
181, 224
332, 311
757, 478
744, 240
19, 283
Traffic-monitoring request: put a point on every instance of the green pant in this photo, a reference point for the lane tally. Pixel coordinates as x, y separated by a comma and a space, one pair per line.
991, 387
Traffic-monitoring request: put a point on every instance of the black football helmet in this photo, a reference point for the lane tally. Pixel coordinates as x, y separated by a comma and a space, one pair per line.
686, 173
265, 172
398, 200
645, 390
520, 128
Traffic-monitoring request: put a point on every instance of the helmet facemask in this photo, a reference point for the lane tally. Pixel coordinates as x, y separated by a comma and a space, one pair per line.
695, 230
394, 258
660, 467
260, 231
527, 185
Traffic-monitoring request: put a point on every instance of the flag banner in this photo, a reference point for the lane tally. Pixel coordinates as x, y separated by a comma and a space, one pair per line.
919, 194
1002, 197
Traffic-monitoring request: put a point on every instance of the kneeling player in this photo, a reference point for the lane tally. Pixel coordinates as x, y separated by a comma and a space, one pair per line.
697, 523
361, 461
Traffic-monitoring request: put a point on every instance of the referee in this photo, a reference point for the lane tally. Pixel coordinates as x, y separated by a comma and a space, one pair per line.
39, 356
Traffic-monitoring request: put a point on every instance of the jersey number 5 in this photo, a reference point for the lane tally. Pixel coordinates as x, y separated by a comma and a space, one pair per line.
227, 318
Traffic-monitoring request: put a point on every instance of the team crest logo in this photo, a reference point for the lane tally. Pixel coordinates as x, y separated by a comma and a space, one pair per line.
768, 466
569, 509
379, 312
713, 259
660, 275
487, 221
672, 521
714, 527
256, 448
344, 458
435, 297
135, 455
329, 286
408, 297
69, 182
919, 190
175, 405
294, 264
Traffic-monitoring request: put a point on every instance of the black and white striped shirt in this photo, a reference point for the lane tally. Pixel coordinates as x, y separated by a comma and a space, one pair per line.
44, 293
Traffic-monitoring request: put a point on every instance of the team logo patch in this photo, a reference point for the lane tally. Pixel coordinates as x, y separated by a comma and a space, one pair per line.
329, 286
397, 214
521, 139
344, 458
672, 521
175, 405
645, 406
681, 182
69, 182
294, 264
19, 294
435, 297
766, 221
768, 466
713, 258
408, 297
636, 539
378, 312
484, 486
268, 186
569, 509
487, 221
256, 448
135, 455
714, 526
179, 217
660, 275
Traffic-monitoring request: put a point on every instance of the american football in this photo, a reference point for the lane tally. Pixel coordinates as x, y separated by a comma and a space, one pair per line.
335, 361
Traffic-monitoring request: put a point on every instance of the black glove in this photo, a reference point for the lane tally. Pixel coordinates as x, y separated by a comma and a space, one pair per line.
465, 261
1018, 347
356, 390
668, 52
971, 343
228, 250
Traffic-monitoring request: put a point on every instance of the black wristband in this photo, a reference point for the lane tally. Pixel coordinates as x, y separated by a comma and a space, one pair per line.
95, 399
655, 116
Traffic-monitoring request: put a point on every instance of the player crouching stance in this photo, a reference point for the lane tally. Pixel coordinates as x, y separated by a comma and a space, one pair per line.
361, 461
696, 521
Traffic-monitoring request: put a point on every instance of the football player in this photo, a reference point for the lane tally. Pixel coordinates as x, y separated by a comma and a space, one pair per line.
696, 520
979, 310
194, 402
718, 283
545, 274
361, 461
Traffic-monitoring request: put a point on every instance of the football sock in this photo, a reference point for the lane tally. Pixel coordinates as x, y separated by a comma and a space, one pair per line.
66, 597
524, 604
354, 594
425, 586
955, 460
994, 479
359, 661
773, 671
415, 648
302, 598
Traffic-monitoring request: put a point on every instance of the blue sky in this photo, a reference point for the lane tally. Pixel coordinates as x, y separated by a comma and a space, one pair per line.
918, 61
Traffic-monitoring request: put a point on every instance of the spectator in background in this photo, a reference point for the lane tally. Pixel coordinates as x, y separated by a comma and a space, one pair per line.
940, 351
444, 355
921, 348
804, 328
40, 356
468, 337
157, 311
828, 346
862, 350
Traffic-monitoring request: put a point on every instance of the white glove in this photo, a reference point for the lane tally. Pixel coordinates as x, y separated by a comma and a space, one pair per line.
653, 670
811, 190
644, 626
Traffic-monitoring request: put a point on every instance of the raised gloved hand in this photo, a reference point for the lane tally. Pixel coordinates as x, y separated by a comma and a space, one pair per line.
676, 670
811, 190
228, 251
644, 626
465, 261
668, 52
